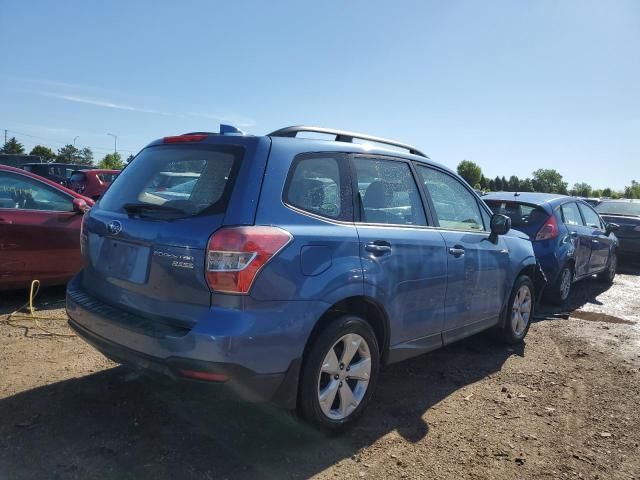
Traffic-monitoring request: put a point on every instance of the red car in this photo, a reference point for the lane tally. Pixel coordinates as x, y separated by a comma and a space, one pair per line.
92, 183
39, 229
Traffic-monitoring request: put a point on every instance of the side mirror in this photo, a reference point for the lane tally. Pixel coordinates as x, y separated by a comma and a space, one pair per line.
500, 224
611, 227
80, 206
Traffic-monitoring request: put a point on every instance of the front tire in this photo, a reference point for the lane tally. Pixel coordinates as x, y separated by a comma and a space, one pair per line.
339, 373
519, 311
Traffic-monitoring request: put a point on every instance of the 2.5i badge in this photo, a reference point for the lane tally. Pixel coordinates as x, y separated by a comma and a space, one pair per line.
178, 261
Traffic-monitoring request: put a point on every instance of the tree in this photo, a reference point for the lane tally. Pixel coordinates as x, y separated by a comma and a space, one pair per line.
13, 146
484, 183
492, 185
596, 193
129, 158
85, 156
514, 183
498, 183
526, 185
68, 154
548, 181
607, 192
582, 189
112, 161
633, 190
471, 172
43, 152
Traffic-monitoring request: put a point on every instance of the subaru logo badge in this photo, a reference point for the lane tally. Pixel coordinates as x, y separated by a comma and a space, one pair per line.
114, 227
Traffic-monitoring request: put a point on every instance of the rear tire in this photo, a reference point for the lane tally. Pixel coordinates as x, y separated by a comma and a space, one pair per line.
519, 311
339, 373
609, 274
559, 292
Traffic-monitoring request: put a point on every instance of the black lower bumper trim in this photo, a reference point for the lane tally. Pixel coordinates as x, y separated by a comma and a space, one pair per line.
244, 382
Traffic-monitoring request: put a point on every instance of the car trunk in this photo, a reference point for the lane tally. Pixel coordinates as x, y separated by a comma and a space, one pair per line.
525, 217
145, 251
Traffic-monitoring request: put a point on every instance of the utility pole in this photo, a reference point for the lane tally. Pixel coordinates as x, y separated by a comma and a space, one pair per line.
74, 140
115, 142
5, 135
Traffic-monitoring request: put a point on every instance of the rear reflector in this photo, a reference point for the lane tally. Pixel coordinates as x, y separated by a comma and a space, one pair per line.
548, 230
207, 376
185, 138
235, 256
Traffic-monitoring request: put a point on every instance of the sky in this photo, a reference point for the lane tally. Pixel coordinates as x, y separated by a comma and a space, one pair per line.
511, 85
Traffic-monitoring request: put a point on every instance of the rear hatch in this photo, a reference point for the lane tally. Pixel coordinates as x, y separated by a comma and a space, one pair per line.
525, 217
144, 244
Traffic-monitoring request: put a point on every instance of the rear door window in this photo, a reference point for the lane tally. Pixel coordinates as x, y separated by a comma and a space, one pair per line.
146, 186
571, 214
388, 192
317, 185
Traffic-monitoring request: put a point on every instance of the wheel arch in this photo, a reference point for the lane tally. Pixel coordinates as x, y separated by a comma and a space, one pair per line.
365, 307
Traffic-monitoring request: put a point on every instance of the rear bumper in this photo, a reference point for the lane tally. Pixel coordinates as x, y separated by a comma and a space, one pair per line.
255, 354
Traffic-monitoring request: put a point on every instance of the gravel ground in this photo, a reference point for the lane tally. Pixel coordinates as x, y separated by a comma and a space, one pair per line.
562, 405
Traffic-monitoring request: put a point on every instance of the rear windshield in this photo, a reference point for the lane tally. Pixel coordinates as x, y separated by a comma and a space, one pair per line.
107, 177
524, 216
619, 208
78, 177
175, 180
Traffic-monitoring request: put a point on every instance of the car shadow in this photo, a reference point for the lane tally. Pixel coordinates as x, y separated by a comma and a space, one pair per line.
628, 265
584, 292
117, 424
48, 298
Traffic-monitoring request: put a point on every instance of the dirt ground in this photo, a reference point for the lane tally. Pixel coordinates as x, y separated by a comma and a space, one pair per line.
562, 405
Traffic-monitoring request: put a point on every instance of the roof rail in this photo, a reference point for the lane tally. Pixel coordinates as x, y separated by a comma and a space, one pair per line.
343, 136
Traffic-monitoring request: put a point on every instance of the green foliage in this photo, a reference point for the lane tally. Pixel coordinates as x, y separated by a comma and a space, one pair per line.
470, 172
596, 193
86, 156
526, 185
514, 183
633, 190
498, 183
548, 181
68, 154
13, 146
606, 192
582, 189
43, 152
112, 161
129, 158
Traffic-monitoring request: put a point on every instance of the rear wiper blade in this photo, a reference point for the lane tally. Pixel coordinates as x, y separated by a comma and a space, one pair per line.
137, 208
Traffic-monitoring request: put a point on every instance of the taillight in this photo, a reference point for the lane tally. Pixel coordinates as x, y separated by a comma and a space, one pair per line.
548, 230
185, 138
235, 256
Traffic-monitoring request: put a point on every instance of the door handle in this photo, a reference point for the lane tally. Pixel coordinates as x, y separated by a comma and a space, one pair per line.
5, 222
573, 234
456, 251
379, 247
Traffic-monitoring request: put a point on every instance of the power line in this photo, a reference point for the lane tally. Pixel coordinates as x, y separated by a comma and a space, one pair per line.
57, 144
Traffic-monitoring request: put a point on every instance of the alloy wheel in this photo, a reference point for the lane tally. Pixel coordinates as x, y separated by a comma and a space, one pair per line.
521, 310
344, 376
565, 284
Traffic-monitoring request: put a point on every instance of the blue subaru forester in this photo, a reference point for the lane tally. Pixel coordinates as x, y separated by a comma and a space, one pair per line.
289, 269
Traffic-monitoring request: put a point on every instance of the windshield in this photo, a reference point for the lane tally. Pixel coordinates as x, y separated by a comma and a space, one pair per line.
184, 180
619, 208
